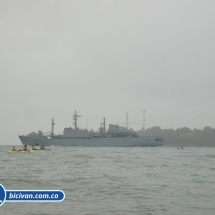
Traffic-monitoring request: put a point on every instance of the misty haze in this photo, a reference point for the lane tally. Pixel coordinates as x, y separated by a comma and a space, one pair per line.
129, 85
106, 58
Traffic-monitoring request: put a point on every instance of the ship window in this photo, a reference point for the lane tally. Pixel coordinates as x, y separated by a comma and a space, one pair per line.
156, 139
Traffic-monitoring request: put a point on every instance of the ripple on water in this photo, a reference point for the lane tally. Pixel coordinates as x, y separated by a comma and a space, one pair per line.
108, 181
210, 156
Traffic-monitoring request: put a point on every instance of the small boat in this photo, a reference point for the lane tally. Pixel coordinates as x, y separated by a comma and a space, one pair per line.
183, 148
21, 151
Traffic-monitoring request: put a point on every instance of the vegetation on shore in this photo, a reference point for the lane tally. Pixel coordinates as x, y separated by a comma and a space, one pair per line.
183, 136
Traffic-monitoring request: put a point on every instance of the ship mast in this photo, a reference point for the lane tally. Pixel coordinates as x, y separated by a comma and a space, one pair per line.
103, 127
75, 118
52, 133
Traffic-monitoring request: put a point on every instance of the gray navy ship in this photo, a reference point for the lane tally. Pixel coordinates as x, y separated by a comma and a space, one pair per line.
114, 137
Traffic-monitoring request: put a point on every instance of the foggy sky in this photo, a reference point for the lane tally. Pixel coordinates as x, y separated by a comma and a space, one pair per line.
103, 59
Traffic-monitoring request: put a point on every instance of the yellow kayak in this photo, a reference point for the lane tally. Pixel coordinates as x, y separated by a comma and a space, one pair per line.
21, 151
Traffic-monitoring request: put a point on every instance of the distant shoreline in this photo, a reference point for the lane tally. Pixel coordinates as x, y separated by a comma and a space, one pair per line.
184, 136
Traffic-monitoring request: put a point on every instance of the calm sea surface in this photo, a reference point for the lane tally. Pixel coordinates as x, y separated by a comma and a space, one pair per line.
113, 181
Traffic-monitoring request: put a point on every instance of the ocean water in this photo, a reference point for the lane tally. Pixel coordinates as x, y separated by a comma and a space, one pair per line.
113, 181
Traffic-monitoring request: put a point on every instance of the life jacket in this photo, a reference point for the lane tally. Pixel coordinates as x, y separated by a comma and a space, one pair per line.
24, 149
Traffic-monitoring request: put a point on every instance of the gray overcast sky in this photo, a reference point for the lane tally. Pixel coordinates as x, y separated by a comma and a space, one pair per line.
106, 58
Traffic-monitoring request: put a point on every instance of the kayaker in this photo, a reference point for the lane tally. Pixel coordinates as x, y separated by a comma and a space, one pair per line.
42, 147
33, 148
13, 149
25, 148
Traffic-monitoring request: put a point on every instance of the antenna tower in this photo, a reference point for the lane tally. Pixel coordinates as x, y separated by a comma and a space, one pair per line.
143, 128
127, 120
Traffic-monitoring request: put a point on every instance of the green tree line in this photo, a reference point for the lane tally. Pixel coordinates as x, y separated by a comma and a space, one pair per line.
183, 136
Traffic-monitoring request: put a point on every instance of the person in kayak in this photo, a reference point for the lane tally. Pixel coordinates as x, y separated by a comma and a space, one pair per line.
42, 147
25, 148
34, 148
13, 149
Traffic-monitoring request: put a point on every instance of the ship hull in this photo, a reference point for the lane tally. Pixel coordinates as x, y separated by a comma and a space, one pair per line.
93, 142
